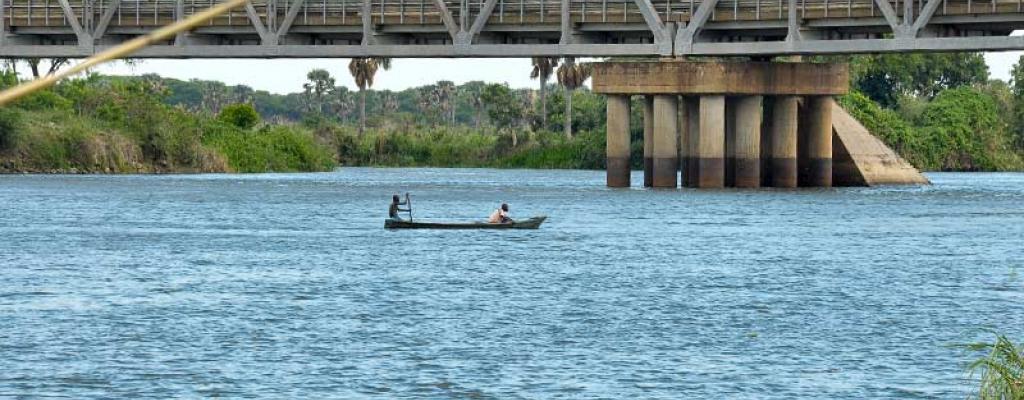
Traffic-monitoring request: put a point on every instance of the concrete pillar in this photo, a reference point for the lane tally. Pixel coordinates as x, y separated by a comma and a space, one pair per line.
666, 151
711, 143
648, 140
767, 106
730, 140
783, 142
692, 142
617, 146
746, 149
816, 167
682, 125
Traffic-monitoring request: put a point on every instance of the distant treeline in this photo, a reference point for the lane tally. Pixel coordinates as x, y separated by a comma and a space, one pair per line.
941, 112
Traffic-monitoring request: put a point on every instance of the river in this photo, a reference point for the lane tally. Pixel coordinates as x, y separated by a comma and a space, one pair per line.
287, 286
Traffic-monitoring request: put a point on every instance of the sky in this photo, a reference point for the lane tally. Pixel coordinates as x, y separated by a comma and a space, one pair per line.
287, 75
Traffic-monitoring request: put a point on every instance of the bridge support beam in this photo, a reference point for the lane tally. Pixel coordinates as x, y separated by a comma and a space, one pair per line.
815, 165
648, 141
617, 144
782, 137
666, 134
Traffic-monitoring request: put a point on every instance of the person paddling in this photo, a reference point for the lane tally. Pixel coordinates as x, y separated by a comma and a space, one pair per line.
394, 209
500, 216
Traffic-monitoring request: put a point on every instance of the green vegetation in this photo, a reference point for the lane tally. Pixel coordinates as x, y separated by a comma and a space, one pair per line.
940, 112
960, 130
1000, 374
241, 115
107, 125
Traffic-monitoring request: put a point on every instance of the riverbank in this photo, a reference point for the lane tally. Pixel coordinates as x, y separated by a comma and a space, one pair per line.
110, 125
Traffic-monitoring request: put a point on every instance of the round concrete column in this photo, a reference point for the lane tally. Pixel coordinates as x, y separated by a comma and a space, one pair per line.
682, 125
746, 149
711, 143
617, 144
730, 140
648, 141
783, 142
692, 143
816, 170
666, 151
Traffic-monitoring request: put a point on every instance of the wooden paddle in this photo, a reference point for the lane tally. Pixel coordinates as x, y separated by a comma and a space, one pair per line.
408, 203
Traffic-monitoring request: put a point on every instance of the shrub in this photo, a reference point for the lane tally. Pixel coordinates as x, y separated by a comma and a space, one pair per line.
962, 130
10, 124
43, 100
887, 125
242, 115
279, 148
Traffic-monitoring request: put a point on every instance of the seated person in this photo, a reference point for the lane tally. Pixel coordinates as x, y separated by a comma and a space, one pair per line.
394, 209
500, 216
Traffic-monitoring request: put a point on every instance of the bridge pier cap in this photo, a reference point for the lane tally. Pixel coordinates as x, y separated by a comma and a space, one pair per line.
721, 78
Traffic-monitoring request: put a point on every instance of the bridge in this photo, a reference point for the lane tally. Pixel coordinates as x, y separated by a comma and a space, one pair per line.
513, 28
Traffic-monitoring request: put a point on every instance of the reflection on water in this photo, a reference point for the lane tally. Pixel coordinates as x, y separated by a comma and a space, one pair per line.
287, 286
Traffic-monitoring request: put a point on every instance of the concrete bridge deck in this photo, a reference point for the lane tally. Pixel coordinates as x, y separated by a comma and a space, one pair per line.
514, 28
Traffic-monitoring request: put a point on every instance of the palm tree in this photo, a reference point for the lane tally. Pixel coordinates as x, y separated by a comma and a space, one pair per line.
445, 94
476, 100
363, 70
214, 96
243, 94
543, 67
390, 102
425, 102
320, 82
571, 76
342, 103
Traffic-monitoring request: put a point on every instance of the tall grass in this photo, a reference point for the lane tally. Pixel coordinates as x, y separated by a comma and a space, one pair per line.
268, 149
464, 147
1000, 374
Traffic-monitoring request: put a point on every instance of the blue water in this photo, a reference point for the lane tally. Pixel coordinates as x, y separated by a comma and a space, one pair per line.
286, 286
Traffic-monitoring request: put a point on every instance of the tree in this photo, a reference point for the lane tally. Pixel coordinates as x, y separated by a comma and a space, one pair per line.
503, 108
425, 101
55, 65
543, 67
341, 102
390, 102
886, 78
571, 76
242, 115
363, 69
476, 100
320, 82
243, 94
1017, 88
214, 96
444, 92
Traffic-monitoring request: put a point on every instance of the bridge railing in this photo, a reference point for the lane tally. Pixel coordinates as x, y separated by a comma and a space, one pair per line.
147, 13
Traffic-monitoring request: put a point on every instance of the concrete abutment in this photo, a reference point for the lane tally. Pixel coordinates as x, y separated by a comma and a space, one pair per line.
740, 124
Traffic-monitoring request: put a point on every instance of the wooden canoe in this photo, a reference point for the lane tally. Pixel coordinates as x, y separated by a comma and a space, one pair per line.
532, 223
